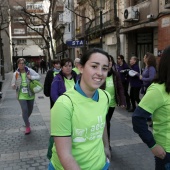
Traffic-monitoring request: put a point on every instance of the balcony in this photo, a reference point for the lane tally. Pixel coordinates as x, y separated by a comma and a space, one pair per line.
108, 22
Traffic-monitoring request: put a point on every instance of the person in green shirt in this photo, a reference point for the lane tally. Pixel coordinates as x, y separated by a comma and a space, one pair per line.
20, 82
76, 64
78, 119
156, 102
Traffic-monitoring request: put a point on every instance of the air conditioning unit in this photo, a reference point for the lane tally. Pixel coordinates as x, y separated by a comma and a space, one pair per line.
131, 13
167, 4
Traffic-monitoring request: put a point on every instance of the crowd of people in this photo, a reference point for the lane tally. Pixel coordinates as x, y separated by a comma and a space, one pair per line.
83, 96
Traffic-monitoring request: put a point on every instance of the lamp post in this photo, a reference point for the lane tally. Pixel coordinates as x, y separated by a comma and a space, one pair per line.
16, 51
101, 4
62, 29
13, 55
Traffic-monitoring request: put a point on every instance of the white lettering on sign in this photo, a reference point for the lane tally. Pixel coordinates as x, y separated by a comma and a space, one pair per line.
77, 42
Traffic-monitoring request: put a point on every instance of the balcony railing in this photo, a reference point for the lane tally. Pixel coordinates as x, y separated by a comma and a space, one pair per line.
107, 20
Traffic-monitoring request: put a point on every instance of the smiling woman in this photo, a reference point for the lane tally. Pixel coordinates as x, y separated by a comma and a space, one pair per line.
20, 82
78, 141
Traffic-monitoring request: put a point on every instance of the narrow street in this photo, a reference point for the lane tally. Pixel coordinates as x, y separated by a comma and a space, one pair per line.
28, 152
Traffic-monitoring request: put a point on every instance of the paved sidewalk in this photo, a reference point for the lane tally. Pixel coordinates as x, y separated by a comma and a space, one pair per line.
19, 151
28, 152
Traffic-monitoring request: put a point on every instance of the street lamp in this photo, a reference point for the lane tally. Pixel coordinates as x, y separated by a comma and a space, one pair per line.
16, 51
13, 60
62, 29
101, 4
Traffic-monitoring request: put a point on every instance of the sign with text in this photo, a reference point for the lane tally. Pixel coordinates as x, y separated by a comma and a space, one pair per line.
75, 43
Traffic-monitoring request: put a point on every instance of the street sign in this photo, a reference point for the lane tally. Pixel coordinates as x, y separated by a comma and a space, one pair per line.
75, 43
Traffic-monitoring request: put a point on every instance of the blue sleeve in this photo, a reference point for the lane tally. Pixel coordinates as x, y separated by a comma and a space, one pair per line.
139, 121
152, 73
54, 90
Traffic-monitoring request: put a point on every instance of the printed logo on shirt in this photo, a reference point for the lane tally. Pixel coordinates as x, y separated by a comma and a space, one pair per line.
95, 132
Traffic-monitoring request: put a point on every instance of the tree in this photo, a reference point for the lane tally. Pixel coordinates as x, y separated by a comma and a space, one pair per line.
4, 24
34, 18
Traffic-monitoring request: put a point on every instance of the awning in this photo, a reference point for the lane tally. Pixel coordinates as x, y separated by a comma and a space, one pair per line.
140, 26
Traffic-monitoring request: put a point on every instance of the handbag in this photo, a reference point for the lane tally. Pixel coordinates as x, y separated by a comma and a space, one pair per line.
35, 86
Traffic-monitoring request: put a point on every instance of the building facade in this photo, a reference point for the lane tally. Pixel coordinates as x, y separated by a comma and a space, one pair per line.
5, 39
28, 19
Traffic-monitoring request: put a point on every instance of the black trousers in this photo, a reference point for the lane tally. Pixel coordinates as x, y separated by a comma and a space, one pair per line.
108, 119
134, 96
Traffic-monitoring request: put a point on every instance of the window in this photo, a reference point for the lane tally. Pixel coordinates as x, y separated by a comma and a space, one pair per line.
18, 19
138, 1
34, 6
21, 42
39, 29
19, 31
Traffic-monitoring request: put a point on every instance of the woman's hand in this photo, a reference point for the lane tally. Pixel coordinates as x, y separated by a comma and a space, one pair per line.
107, 152
28, 76
158, 151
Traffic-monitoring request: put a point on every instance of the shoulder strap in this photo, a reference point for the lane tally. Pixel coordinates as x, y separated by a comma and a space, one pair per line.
69, 98
107, 96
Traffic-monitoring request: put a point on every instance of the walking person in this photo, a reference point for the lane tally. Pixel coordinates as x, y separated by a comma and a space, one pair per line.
51, 73
113, 86
80, 132
43, 66
76, 63
156, 102
135, 83
123, 69
65, 80
149, 72
20, 82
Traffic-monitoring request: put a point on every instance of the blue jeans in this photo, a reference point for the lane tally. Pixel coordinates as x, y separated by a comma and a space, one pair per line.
50, 166
162, 164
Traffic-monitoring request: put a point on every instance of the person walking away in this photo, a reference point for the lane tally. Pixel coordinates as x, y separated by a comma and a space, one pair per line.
113, 86
149, 72
20, 82
76, 63
80, 143
43, 66
156, 102
135, 83
123, 69
51, 73
65, 80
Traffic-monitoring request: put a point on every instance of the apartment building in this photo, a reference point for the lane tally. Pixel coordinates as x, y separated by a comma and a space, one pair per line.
63, 28
130, 27
5, 41
27, 42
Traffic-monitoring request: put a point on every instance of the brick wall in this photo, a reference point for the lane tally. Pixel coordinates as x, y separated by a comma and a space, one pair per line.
164, 32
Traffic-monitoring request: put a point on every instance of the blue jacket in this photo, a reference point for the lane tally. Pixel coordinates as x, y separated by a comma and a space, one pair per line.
139, 121
148, 75
123, 70
135, 81
58, 85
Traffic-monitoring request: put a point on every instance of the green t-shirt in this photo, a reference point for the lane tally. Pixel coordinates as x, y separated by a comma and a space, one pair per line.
76, 70
157, 102
85, 124
23, 93
110, 89
69, 83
